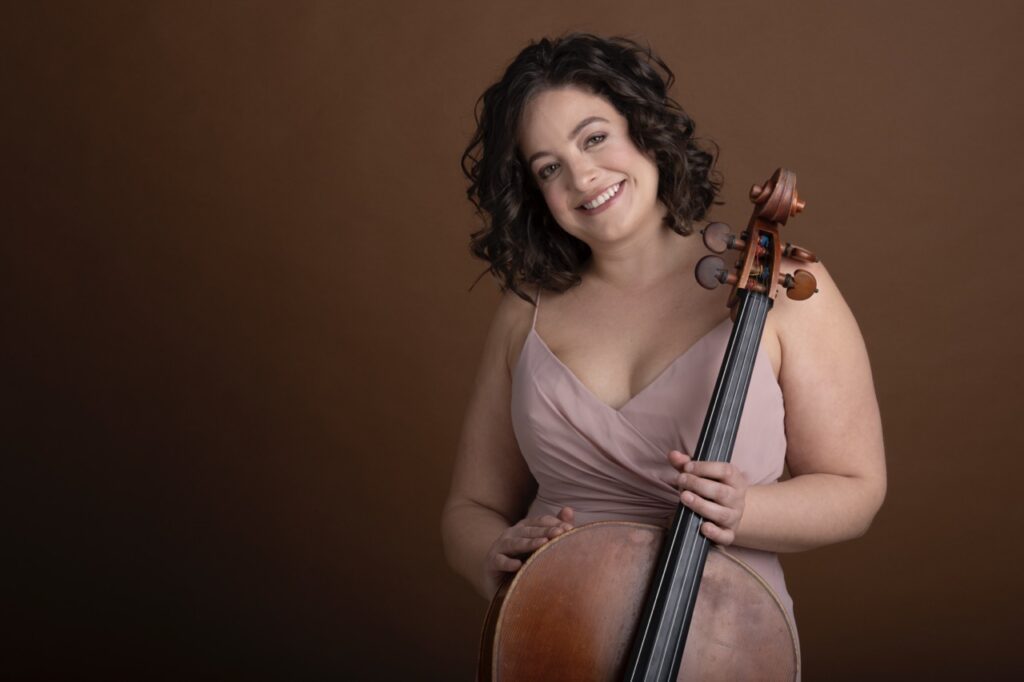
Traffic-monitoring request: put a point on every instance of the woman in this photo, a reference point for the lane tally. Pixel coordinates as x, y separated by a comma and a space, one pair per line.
585, 407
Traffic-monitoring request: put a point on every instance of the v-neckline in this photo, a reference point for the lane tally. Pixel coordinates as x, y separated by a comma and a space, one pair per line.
636, 396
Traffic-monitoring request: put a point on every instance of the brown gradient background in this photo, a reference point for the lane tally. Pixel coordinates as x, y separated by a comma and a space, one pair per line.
237, 339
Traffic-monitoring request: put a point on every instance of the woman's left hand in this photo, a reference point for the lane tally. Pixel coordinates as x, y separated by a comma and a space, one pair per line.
714, 490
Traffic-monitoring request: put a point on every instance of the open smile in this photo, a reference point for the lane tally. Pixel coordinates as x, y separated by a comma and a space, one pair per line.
606, 201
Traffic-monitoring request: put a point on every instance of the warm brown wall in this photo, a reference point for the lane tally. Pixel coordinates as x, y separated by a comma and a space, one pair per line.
237, 339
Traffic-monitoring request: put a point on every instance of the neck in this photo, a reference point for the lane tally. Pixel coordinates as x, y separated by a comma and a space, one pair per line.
645, 261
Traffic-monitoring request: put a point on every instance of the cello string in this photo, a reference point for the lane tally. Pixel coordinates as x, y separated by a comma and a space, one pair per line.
716, 445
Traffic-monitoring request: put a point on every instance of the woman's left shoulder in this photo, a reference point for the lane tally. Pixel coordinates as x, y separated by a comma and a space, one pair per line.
833, 423
824, 317
823, 354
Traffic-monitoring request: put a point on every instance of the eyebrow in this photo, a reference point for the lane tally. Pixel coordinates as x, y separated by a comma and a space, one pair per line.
575, 131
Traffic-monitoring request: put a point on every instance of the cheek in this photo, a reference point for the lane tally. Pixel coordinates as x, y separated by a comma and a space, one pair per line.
648, 176
622, 150
647, 163
560, 213
555, 199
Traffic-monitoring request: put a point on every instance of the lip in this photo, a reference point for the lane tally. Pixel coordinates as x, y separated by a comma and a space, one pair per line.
606, 205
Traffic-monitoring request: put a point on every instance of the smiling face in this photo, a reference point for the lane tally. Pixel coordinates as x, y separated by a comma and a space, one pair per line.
598, 186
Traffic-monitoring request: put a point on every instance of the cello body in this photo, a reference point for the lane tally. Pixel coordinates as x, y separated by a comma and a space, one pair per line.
571, 613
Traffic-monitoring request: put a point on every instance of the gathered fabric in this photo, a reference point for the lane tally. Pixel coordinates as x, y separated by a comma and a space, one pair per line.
612, 464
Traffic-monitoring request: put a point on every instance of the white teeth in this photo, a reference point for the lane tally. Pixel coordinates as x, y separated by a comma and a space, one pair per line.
605, 196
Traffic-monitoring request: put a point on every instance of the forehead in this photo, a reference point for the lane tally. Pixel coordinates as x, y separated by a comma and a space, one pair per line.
550, 116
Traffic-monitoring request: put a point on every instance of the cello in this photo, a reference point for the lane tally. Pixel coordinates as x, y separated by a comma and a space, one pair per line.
619, 600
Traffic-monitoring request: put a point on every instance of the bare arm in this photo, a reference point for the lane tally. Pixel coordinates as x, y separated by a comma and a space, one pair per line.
835, 451
491, 484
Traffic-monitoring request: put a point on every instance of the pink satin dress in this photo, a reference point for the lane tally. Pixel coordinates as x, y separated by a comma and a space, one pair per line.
609, 464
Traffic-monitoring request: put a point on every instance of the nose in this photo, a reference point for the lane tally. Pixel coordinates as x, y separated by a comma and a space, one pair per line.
584, 173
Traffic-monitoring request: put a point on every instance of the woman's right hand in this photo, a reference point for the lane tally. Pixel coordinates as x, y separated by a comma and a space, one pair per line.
520, 541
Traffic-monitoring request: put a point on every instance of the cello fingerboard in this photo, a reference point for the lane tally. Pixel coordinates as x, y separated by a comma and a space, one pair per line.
665, 620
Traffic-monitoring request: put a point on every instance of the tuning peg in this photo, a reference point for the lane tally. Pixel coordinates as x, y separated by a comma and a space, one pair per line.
711, 271
800, 286
718, 238
799, 253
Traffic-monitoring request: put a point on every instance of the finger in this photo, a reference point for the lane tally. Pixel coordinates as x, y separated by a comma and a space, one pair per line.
507, 564
545, 521
536, 527
530, 531
720, 536
520, 546
568, 517
678, 459
705, 487
720, 471
711, 511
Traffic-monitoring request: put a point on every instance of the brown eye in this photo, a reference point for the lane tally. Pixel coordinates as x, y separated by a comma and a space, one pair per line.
544, 171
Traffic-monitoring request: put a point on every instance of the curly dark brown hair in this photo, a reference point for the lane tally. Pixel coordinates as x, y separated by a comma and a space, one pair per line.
520, 239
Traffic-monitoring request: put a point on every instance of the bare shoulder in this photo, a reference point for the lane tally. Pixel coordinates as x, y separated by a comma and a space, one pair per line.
512, 322
817, 324
832, 417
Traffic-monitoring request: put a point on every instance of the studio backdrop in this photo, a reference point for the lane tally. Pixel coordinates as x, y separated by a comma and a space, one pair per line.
238, 335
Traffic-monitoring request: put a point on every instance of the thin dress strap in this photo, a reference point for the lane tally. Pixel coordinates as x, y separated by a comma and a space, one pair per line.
536, 307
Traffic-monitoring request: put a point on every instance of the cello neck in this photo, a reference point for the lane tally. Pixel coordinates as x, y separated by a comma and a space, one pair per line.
665, 620
721, 424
